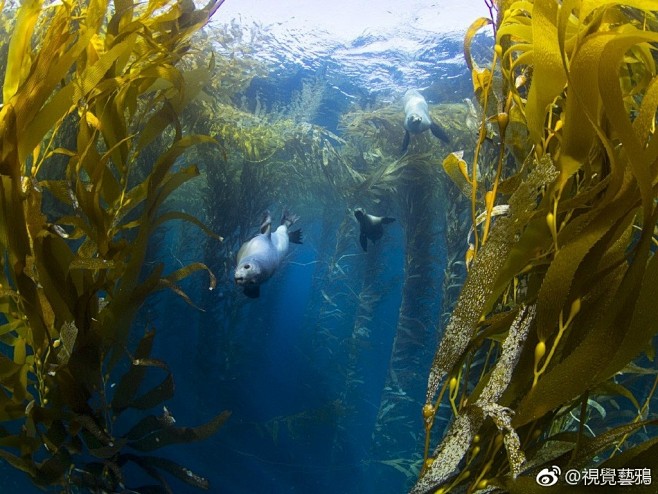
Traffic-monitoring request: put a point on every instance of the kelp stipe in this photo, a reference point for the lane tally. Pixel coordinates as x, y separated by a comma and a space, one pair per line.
70, 285
559, 300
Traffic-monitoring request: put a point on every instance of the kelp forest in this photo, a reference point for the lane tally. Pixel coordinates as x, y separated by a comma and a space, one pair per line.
503, 326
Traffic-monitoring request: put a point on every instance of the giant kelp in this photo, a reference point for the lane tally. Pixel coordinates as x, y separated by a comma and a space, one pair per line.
70, 284
559, 297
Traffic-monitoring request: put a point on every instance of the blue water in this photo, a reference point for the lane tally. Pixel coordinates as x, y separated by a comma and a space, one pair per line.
308, 378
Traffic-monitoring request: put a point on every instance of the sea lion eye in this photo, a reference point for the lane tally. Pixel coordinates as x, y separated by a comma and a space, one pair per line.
247, 266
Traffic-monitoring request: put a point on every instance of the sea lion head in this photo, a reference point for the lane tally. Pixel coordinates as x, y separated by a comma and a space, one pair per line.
248, 272
414, 123
359, 214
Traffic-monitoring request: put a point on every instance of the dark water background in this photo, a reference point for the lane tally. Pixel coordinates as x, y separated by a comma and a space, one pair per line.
308, 382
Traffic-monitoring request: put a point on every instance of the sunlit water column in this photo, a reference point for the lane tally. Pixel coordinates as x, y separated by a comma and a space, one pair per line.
398, 433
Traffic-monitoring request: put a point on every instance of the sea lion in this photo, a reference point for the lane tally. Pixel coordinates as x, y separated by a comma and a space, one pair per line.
259, 257
372, 227
417, 118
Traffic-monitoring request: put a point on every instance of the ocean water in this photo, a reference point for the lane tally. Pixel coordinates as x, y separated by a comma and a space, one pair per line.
325, 373
319, 403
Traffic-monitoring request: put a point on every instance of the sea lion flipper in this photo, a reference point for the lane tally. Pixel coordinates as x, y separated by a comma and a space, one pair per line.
288, 219
295, 237
266, 225
363, 239
439, 132
386, 220
405, 143
252, 291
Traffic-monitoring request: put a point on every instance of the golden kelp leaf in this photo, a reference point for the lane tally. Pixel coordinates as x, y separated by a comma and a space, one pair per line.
47, 74
52, 112
639, 159
20, 352
472, 30
159, 121
91, 119
549, 77
481, 79
583, 112
457, 170
94, 74
11, 326
588, 6
645, 121
19, 56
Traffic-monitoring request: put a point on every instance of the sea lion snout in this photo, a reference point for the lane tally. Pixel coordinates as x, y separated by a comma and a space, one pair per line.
243, 273
414, 123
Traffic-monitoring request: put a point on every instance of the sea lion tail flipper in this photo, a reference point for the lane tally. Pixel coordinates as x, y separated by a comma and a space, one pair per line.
386, 220
266, 224
405, 143
295, 237
439, 132
252, 291
288, 219
363, 239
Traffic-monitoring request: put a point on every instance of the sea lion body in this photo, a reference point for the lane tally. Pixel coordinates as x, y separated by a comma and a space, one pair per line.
417, 118
371, 227
261, 256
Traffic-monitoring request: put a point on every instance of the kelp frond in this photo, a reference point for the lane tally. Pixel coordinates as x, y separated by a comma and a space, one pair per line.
576, 247
87, 92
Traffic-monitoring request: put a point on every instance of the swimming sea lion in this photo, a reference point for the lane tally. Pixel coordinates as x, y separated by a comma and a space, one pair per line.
259, 257
417, 118
372, 227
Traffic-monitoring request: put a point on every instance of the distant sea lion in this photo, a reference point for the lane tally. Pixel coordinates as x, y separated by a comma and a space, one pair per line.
259, 257
417, 118
372, 227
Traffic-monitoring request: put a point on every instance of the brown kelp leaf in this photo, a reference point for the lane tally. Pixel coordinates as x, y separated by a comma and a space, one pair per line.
94, 435
643, 323
153, 463
131, 380
590, 447
67, 336
481, 279
156, 395
54, 468
556, 286
154, 432
466, 425
590, 360
91, 263
644, 455
145, 427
